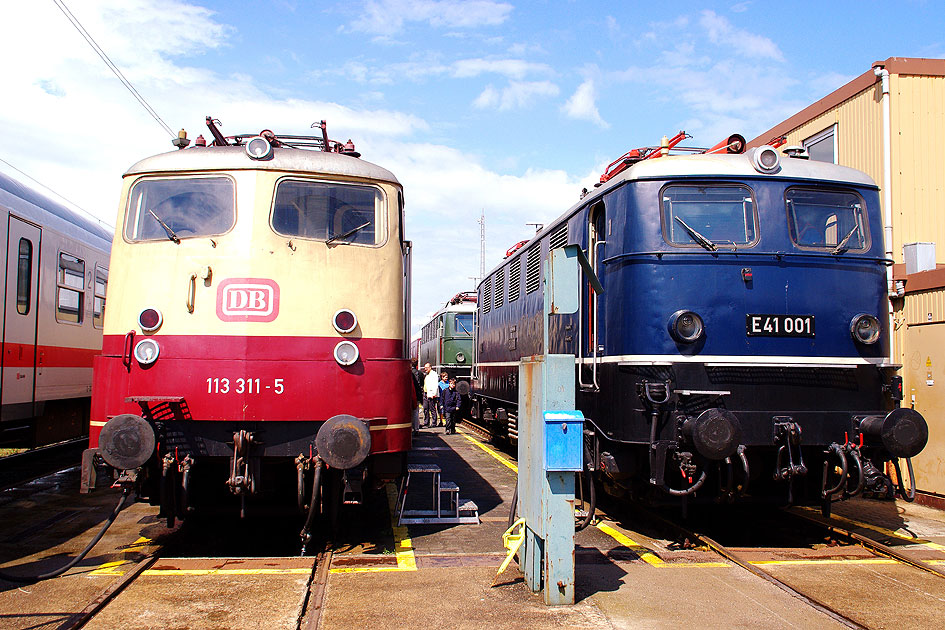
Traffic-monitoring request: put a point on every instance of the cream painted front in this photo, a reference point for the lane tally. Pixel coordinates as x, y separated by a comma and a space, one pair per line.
314, 279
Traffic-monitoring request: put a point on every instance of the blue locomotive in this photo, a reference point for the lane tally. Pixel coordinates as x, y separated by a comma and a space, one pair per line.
741, 344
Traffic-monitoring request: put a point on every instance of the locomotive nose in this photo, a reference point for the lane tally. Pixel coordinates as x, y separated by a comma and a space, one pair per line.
903, 432
716, 433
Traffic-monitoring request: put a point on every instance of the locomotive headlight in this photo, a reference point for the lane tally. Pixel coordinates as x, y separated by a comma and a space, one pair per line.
865, 329
150, 319
344, 320
765, 159
346, 353
147, 351
686, 327
460, 357
258, 148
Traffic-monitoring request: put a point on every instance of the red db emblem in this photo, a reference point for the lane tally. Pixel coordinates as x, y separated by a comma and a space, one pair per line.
247, 300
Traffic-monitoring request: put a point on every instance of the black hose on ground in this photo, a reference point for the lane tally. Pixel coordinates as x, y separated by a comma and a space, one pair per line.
30, 579
908, 496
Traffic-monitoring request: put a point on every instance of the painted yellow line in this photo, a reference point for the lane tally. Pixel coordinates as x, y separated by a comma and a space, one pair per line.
403, 546
648, 556
501, 458
388, 427
882, 530
97, 423
172, 572
109, 567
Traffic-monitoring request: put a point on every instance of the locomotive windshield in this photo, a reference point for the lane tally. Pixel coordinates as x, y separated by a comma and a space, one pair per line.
826, 219
708, 216
182, 207
464, 323
334, 213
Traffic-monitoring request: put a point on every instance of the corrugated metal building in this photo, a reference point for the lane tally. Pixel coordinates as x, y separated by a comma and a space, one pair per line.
897, 136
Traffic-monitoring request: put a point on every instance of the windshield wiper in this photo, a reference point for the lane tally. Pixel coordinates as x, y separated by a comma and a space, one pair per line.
842, 246
348, 233
709, 245
170, 233
463, 326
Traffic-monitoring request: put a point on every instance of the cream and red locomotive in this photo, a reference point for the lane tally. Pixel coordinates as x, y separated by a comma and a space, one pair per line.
257, 320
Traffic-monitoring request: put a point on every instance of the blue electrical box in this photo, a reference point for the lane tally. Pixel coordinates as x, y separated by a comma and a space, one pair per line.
564, 438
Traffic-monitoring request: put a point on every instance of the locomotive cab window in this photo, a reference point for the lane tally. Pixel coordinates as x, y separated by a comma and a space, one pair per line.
179, 208
333, 213
709, 216
70, 289
464, 324
827, 219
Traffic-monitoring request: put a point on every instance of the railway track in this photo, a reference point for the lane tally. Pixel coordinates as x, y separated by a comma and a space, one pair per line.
29, 465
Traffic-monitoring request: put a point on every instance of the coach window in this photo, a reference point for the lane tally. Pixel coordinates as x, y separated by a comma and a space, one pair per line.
709, 216
24, 276
333, 213
827, 219
180, 207
98, 299
70, 290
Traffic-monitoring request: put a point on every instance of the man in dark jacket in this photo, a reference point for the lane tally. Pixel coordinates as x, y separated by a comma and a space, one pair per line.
451, 402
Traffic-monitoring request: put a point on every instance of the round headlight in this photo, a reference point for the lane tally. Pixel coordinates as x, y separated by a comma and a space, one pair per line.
147, 351
865, 329
460, 357
686, 327
346, 353
150, 319
258, 148
344, 320
765, 159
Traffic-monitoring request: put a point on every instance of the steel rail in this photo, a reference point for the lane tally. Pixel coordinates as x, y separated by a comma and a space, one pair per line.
310, 608
876, 547
731, 556
85, 615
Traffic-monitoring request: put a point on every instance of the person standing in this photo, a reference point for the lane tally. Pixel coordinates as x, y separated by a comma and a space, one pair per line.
431, 392
451, 401
443, 385
416, 378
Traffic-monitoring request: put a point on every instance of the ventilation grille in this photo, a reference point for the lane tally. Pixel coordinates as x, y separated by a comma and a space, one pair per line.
533, 269
499, 287
515, 279
560, 237
487, 296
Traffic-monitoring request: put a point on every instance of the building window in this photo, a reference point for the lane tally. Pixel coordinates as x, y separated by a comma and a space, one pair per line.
823, 146
70, 292
98, 299
24, 276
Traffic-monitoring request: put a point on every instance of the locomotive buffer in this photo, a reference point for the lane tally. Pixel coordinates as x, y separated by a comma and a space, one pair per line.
551, 434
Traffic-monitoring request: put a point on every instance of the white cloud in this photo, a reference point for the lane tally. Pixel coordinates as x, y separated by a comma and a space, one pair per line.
382, 17
583, 106
516, 95
721, 31
512, 68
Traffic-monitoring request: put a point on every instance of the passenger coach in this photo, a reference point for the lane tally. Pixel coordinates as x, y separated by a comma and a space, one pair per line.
257, 322
741, 343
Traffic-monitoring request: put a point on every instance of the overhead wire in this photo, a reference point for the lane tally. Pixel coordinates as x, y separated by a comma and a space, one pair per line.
108, 62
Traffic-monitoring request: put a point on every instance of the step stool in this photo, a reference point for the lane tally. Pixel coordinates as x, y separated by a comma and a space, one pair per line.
451, 511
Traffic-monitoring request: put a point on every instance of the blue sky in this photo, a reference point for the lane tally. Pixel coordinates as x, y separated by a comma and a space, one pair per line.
506, 107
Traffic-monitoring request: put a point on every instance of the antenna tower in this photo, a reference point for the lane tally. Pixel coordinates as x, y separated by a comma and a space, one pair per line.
482, 243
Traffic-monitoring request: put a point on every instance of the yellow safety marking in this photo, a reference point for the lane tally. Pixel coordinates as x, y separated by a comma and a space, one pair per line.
647, 555
109, 567
403, 546
97, 423
502, 459
172, 572
881, 530
388, 427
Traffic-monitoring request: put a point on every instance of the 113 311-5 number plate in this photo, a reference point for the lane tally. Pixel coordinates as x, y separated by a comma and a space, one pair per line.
759, 325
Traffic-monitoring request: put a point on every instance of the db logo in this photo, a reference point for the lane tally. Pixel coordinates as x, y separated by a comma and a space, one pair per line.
248, 300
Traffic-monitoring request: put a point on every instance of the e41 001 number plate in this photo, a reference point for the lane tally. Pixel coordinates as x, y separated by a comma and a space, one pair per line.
759, 325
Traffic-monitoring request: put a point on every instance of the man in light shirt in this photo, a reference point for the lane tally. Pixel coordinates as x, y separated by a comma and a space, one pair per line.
431, 392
